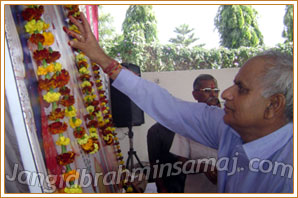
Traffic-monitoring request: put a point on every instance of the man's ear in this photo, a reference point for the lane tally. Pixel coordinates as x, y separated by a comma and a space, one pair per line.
275, 106
195, 95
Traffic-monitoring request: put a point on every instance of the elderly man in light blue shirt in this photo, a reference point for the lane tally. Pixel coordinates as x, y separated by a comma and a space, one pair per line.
254, 132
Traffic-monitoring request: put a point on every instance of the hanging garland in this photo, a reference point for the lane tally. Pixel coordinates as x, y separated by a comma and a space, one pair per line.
53, 80
99, 114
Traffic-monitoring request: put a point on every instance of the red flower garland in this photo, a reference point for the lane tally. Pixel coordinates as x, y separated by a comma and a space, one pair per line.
32, 13
57, 127
36, 38
66, 158
56, 114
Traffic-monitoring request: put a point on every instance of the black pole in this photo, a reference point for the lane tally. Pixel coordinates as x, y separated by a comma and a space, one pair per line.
131, 153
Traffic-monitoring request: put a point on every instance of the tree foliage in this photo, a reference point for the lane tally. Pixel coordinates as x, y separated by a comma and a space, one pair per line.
105, 20
106, 31
158, 57
152, 56
141, 19
288, 23
237, 26
185, 36
139, 27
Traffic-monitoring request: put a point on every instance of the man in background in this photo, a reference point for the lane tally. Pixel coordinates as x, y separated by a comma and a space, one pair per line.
160, 139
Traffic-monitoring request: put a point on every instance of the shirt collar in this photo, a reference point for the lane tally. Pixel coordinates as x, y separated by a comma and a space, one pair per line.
264, 147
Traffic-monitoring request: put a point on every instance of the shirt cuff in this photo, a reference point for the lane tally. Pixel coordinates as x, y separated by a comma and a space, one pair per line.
126, 80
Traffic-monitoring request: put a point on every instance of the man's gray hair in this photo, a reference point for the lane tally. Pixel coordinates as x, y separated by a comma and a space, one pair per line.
202, 77
279, 78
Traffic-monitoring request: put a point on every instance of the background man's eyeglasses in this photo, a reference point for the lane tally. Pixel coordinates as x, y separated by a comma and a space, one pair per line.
208, 90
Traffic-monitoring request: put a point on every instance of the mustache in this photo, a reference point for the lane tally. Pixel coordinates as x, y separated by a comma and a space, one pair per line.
213, 101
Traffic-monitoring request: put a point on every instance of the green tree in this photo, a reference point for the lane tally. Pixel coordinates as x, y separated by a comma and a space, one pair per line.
185, 36
139, 27
140, 19
105, 29
108, 37
237, 26
288, 22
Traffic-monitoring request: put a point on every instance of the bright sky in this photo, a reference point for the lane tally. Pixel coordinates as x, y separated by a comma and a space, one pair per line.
201, 17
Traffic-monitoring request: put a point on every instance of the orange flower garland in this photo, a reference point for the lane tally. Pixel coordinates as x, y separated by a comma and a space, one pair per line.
51, 76
99, 115
89, 143
107, 128
56, 114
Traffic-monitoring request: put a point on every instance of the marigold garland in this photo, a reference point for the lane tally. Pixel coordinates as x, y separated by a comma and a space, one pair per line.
57, 127
66, 158
73, 189
89, 143
48, 38
58, 113
36, 38
79, 132
71, 175
63, 141
53, 80
32, 12
98, 117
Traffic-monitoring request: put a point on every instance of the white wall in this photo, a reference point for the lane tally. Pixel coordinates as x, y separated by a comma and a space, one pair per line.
179, 84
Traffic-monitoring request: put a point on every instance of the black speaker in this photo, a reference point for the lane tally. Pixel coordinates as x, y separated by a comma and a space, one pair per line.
125, 113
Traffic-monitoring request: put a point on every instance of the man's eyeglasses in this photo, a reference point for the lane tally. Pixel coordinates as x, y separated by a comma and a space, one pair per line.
208, 90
